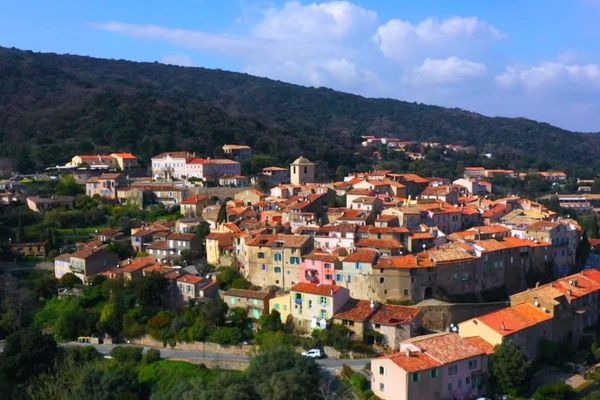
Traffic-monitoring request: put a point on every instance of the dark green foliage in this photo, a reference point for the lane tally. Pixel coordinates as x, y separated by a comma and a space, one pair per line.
227, 335
271, 321
151, 292
151, 355
282, 374
230, 277
595, 395
222, 215
510, 369
69, 280
106, 384
27, 353
554, 391
64, 105
127, 354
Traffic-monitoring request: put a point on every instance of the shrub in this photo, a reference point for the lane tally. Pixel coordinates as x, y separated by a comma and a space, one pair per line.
151, 356
226, 335
127, 354
359, 381
554, 391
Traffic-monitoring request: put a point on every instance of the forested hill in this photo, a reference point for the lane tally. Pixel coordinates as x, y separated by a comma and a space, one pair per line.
52, 106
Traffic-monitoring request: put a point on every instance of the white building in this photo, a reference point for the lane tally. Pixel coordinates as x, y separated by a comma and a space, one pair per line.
184, 165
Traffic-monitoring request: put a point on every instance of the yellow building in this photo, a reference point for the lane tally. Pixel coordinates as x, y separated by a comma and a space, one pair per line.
282, 305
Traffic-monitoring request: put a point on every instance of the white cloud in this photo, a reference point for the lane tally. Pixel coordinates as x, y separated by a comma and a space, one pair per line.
402, 40
323, 21
551, 75
447, 70
182, 60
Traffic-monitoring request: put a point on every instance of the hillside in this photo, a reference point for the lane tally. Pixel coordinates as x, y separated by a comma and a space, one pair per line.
52, 106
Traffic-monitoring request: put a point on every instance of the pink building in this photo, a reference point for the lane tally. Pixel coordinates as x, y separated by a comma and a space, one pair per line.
439, 366
319, 267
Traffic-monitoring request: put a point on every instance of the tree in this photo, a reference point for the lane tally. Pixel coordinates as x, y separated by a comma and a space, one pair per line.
554, 391
127, 354
69, 280
106, 384
214, 312
20, 235
222, 215
226, 335
510, 369
270, 322
27, 352
282, 374
595, 395
150, 292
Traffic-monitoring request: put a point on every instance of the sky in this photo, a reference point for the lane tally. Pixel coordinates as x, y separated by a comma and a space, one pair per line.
538, 59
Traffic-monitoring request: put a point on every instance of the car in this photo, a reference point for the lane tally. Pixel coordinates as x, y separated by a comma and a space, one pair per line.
313, 353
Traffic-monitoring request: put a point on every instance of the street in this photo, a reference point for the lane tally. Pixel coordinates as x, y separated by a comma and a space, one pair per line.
331, 364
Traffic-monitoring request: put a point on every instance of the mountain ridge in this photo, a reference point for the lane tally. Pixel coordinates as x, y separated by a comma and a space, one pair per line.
67, 103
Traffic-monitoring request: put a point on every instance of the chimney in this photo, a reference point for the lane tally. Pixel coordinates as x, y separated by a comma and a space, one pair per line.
503, 326
407, 352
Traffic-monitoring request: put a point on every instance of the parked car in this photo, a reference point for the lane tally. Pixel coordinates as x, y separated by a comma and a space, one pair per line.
313, 353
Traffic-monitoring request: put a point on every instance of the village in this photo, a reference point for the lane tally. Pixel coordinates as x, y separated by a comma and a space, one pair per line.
427, 274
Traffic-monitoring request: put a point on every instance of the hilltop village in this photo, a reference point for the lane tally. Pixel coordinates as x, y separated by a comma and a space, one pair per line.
426, 276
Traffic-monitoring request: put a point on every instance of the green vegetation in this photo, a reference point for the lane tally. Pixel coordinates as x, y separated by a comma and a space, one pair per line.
92, 105
510, 369
554, 391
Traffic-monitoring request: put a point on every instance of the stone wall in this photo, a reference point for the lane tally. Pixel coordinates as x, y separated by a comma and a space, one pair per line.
196, 346
438, 317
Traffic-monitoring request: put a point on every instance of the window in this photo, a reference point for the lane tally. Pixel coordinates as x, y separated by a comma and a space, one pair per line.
415, 377
328, 276
381, 280
285, 307
263, 267
406, 292
452, 370
381, 387
277, 270
472, 364
349, 278
277, 257
357, 266
277, 307
449, 387
233, 300
434, 373
260, 255
381, 370
338, 277
294, 260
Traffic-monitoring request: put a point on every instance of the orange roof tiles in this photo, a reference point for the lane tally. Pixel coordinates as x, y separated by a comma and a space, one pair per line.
318, 289
379, 243
407, 261
391, 314
363, 256
356, 310
510, 320
416, 361
447, 347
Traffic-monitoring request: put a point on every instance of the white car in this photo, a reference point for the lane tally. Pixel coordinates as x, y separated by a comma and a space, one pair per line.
313, 353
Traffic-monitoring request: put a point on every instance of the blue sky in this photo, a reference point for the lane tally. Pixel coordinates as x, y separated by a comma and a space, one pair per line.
537, 58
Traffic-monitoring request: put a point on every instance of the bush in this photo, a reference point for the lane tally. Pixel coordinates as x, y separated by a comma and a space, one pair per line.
151, 356
359, 381
226, 335
127, 354
554, 391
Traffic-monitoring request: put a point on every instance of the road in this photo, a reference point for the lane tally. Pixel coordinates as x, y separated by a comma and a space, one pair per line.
331, 364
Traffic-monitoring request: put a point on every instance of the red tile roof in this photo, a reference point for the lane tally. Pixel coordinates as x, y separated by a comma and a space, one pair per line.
318, 289
391, 314
447, 347
363, 256
414, 362
510, 320
356, 310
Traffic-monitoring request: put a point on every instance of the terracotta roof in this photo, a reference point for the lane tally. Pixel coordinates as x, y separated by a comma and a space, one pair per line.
356, 310
481, 344
407, 261
383, 229
266, 240
236, 147
88, 252
510, 320
127, 156
379, 243
363, 256
414, 362
181, 236
225, 239
250, 294
447, 347
193, 279
175, 154
194, 199
318, 289
321, 256
391, 314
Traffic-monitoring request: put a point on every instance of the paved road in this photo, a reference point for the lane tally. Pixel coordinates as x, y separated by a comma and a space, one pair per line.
198, 356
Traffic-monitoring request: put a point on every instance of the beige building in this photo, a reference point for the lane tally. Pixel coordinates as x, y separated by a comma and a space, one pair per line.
314, 305
220, 248
302, 171
255, 302
274, 260
105, 185
281, 304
